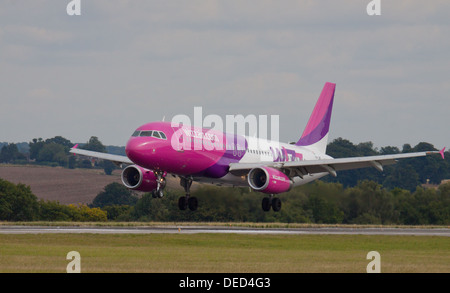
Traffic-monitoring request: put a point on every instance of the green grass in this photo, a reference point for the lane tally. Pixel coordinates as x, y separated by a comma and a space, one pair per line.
214, 224
238, 253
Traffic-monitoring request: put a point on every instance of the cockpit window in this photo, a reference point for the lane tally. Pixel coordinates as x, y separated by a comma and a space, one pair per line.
150, 133
146, 133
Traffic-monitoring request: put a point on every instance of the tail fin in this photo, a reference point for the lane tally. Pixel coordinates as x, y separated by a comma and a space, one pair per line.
315, 134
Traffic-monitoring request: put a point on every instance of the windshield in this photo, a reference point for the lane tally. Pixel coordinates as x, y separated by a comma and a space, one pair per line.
150, 133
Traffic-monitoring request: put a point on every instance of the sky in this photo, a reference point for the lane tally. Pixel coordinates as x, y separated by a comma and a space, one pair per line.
123, 63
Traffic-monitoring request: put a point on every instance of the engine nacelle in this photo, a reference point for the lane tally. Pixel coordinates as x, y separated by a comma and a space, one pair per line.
138, 178
268, 180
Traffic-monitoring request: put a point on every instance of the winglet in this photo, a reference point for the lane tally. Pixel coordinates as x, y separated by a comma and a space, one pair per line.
442, 153
74, 147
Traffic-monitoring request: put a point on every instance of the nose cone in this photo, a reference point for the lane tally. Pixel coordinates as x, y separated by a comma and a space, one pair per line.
137, 149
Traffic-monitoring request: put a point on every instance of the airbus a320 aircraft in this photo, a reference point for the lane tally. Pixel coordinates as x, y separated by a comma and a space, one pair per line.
204, 155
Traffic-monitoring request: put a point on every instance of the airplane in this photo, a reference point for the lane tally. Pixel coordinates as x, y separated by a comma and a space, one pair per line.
157, 149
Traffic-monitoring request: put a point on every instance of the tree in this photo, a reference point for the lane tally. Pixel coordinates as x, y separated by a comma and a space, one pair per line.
368, 202
114, 194
35, 146
94, 144
108, 167
17, 202
53, 211
10, 153
54, 149
53, 152
324, 211
404, 176
389, 150
341, 148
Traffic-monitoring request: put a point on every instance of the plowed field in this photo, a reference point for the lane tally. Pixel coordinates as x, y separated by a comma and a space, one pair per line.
64, 185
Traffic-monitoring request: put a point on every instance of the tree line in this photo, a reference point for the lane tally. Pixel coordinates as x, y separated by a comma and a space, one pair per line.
406, 174
55, 152
319, 202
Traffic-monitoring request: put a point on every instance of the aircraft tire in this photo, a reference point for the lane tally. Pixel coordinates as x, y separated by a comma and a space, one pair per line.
276, 204
193, 203
182, 204
266, 204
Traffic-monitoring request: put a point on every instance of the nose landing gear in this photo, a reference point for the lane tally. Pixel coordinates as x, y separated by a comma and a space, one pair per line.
160, 185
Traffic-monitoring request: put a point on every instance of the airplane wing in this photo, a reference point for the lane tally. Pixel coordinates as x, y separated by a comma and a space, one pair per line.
117, 159
302, 168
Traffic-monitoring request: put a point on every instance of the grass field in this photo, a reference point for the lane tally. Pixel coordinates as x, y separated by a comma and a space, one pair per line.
223, 253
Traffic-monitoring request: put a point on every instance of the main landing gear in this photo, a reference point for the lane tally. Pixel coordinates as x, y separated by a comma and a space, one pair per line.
187, 201
271, 202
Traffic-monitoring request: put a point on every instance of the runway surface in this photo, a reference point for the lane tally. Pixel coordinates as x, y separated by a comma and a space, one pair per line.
219, 229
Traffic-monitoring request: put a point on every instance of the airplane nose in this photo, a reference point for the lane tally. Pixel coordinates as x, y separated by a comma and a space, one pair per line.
136, 150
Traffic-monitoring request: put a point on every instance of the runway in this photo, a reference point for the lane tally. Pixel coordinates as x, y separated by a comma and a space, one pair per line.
445, 232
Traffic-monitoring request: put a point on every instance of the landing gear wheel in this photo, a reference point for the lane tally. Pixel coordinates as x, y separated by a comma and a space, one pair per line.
266, 204
271, 202
182, 203
276, 204
193, 203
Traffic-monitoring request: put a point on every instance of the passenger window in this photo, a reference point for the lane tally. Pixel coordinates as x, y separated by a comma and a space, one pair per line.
156, 134
146, 133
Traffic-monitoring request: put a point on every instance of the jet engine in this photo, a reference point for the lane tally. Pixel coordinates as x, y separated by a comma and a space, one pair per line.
138, 178
268, 180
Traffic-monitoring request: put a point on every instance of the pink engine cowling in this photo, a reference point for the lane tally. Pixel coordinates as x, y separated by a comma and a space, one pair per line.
138, 178
268, 180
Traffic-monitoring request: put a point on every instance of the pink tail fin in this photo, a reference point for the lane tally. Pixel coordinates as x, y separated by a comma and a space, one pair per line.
316, 131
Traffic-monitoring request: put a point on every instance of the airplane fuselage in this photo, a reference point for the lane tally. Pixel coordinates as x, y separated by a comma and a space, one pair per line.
206, 155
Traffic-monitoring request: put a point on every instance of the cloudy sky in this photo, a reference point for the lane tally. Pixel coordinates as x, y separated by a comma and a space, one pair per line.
123, 63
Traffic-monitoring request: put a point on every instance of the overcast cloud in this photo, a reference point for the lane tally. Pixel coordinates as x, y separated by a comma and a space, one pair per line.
125, 63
